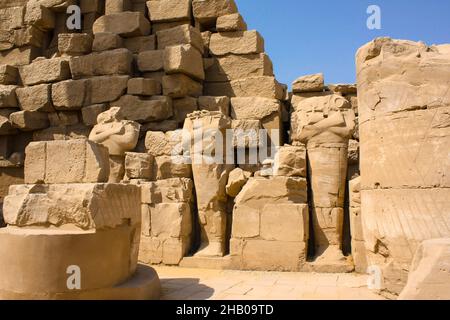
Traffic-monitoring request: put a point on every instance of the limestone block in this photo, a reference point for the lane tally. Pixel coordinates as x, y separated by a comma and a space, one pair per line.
180, 85
77, 131
35, 98
258, 191
208, 11
107, 88
39, 16
29, 120
246, 224
174, 250
144, 110
63, 118
221, 104
150, 61
163, 143
140, 44
254, 108
309, 83
117, 6
174, 190
144, 87
165, 168
45, 71
74, 161
8, 75
29, 36
241, 42
84, 205
273, 255
12, 17
429, 278
19, 56
113, 62
169, 10
343, 88
104, 41
231, 22
285, 222
184, 34
171, 220
290, 161
234, 67
138, 165
74, 43
184, 59
263, 86
159, 26
125, 24
246, 133
8, 97
236, 181
90, 113
70, 94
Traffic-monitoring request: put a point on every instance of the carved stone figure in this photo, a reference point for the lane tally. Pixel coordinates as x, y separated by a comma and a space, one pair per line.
119, 136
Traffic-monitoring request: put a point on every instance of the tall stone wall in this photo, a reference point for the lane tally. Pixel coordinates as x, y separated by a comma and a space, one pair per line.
404, 108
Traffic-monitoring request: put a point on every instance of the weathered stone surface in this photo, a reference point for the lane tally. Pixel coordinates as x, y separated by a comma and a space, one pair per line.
138, 165
104, 41
12, 17
242, 42
75, 161
180, 85
144, 87
29, 120
234, 67
8, 97
290, 161
173, 190
35, 98
184, 59
166, 168
45, 71
171, 220
140, 44
207, 12
184, 106
87, 206
107, 88
429, 278
63, 118
70, 94
231, 22
169, 10
253, 108
40, 16
114, 62
8, 75
74, 43
236, 181
117, 6
90, 113
246, 133
309, 83
285, 222
19, 56
263, 86
125, 24
184, 34
163, 143
144, 110
72, 132
221, 104
150, 61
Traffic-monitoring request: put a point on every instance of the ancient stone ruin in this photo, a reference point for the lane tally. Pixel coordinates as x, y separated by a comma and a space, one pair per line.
155, 133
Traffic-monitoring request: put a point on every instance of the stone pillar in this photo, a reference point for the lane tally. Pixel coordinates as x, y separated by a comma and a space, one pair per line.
210, 177
404, 107
324, 124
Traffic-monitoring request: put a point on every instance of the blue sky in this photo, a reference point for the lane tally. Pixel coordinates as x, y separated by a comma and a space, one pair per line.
304, 37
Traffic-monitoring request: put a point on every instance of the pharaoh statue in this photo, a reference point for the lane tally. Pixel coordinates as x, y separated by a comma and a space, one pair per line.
119, 136
207, 153
325, 124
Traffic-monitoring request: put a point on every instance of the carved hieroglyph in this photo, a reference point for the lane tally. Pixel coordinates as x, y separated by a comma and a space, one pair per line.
210, 178
325, 124
119, 136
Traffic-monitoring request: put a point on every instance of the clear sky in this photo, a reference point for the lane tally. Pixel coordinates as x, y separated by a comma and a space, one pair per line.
304, 37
